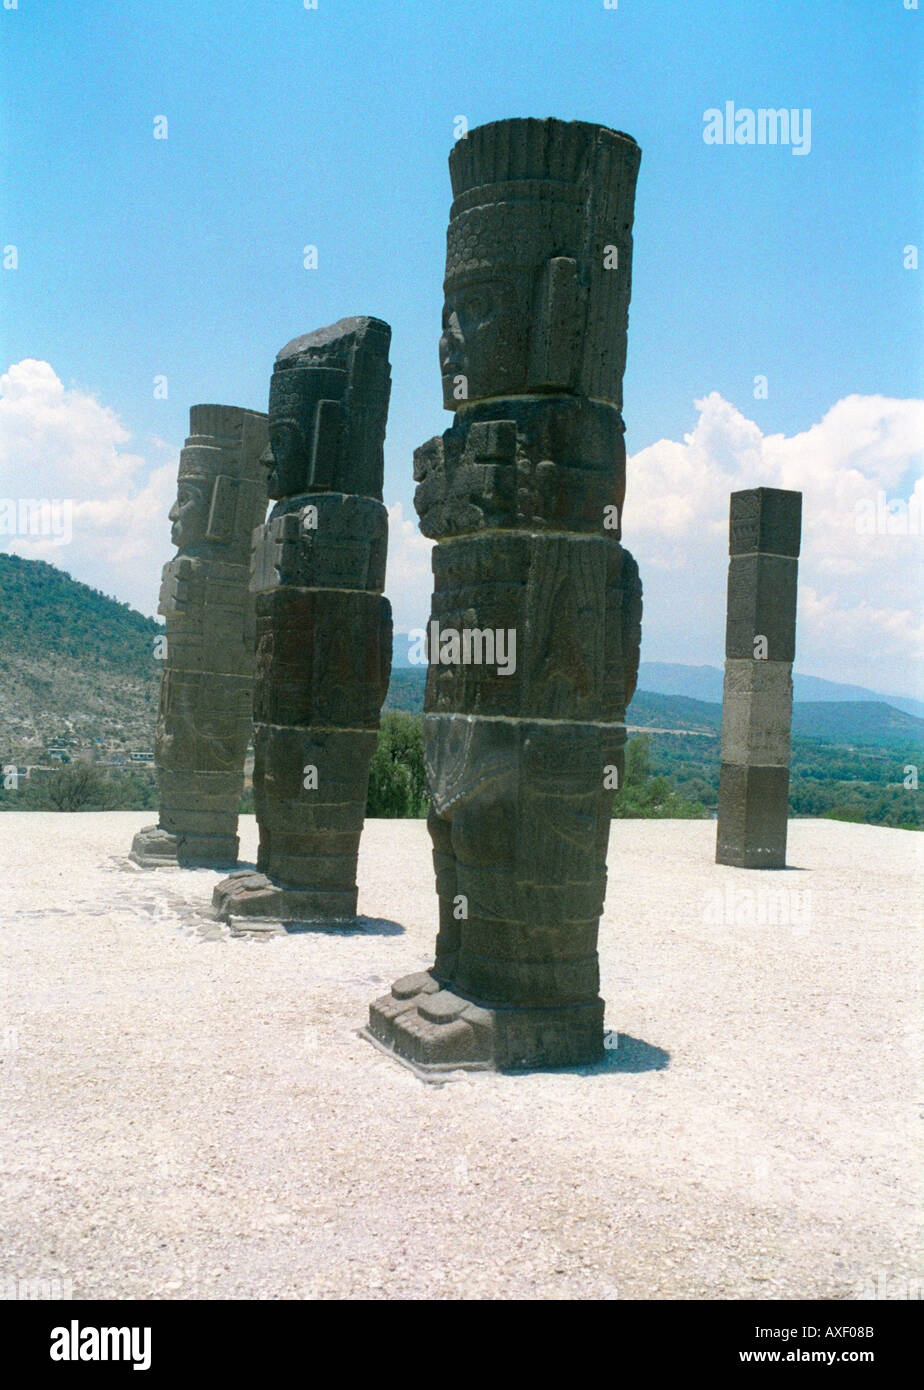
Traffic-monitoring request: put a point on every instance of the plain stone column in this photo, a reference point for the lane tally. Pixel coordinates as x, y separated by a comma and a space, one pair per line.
760, 641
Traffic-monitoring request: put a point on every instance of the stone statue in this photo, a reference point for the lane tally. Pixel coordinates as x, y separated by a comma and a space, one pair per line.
536, 614
765, 533
204, 719
324, 632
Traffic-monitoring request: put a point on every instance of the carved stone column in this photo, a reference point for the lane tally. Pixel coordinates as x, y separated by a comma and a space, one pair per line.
324, 632
524, 496
204, 720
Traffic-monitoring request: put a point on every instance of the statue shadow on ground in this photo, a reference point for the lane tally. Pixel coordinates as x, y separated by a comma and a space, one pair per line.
632, 1054
360, 926
629, 1055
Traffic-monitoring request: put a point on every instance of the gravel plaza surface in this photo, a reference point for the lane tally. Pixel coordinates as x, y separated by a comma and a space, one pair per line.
191, 1114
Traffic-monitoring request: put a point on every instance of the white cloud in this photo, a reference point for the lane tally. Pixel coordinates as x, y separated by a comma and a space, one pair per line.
859, 616
59, 443
409, 579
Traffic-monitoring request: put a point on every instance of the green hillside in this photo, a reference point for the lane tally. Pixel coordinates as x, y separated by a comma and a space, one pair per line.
406, 690
653, 711
857, 723
72, 662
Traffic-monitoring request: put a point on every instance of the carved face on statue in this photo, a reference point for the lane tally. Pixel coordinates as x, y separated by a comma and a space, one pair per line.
286, 458
536, 206
328, 402
306, 424
190, 513
484, 348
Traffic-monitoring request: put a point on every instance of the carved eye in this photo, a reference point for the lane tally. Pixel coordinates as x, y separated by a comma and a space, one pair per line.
477, 307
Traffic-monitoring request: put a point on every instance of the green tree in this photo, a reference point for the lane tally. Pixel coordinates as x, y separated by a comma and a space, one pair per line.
644, 796
77, 787
397, 778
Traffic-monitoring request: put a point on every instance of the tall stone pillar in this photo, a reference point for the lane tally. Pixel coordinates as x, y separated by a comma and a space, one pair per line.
324, 632
204, 720
760, 646
524, 734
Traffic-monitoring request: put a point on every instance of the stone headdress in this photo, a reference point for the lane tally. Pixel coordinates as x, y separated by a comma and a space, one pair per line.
333, 387
223, 451
548, 205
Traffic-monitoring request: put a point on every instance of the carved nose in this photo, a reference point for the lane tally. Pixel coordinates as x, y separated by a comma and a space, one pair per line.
451, 345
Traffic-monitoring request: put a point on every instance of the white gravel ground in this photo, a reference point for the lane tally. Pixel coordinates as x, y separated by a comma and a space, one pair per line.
190, 1115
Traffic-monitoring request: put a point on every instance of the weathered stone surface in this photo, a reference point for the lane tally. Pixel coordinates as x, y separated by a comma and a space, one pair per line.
761, 603
334, 763
323, 627
253, 895
765, 519
323, 657
574, 604
524, 493
765, 530
204, 717
530, 276
203, 722
557, 468
757, 713
153, 846
328, 406
337, 542
753, 810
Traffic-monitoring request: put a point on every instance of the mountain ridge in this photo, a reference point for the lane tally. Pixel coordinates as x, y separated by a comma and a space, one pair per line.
76, 662
705, 683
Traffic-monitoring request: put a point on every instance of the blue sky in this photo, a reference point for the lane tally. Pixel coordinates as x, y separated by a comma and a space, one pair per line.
286, 126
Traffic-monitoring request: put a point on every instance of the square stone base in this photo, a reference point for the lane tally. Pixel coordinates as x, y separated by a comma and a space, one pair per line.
752, 817
433, 1031
258, 899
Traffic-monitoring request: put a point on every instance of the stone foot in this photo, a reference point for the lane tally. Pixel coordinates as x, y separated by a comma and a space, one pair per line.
152, 848
432, 1030
251, 895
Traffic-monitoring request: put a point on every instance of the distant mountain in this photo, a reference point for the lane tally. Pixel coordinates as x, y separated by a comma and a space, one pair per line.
73, 663
859, 723
652, 710
705, 683
400, 647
